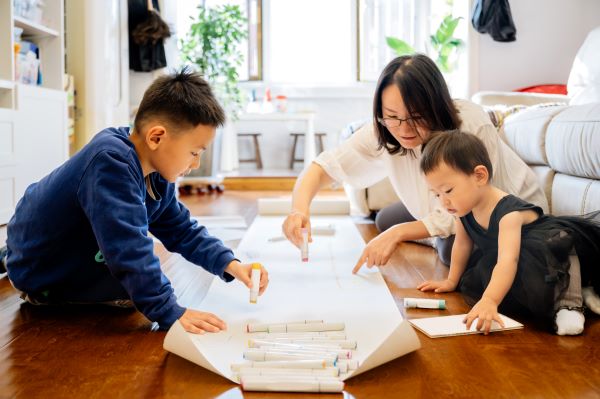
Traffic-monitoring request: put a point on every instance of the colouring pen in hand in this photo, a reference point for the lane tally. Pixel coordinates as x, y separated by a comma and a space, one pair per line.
304, 249
255, 278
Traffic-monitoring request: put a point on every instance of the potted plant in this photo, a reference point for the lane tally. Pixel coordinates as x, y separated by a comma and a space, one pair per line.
212, 46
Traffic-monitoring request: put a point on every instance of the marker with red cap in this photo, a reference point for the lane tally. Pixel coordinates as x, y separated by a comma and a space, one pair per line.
304, 249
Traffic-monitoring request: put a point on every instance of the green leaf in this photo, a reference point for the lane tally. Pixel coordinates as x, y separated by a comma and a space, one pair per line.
446, 29
444, 43
399, 46
443, 64
213, 46
456, 42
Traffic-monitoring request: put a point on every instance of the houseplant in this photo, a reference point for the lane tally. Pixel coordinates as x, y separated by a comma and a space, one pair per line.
442, 47
212, 46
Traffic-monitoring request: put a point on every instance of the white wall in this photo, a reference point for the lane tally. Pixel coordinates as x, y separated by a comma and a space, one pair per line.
549, 33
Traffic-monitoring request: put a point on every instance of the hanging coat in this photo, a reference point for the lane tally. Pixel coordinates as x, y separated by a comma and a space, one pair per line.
149, 56
494, 17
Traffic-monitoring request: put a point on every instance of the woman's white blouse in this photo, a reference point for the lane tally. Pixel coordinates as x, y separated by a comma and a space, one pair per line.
358, 163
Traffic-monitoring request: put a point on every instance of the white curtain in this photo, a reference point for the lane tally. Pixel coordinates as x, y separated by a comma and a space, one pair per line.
228, 148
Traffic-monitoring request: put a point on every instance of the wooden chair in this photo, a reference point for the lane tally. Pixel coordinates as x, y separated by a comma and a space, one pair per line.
296, 135
257, 158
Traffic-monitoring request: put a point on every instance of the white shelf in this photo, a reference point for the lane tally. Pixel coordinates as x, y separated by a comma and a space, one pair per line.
6, 84
30, 114
34, 29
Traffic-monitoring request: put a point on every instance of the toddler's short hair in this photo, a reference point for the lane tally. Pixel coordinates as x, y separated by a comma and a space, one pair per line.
461, 151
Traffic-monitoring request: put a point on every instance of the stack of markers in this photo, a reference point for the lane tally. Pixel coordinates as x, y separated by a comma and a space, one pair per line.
301, 356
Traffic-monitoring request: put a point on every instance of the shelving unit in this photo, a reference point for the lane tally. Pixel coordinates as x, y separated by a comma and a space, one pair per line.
33, 119
34, 29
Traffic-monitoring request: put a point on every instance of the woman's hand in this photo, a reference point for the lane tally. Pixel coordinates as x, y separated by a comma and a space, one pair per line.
292, 227
243, 273
197, 322
437, 286
379, 250
486, 310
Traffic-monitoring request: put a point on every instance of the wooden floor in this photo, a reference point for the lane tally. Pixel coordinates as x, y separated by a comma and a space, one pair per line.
96, 352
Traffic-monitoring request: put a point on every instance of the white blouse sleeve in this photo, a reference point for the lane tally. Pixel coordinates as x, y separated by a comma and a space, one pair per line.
356, 161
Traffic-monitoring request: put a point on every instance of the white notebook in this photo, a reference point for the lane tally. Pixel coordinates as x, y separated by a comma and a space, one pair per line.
447, 326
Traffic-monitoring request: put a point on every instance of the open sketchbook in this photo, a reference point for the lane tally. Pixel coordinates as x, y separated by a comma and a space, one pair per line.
448, 326
323, 288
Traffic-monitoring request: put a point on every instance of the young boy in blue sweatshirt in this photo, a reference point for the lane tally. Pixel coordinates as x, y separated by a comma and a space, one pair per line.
80, 235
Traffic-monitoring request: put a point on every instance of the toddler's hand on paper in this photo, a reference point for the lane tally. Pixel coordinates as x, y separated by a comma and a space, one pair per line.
197, 322
243, 273
379, 250
292, 226
437, 286
485, 311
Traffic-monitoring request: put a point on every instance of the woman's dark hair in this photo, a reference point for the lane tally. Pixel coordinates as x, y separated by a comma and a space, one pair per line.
181, 99
424, 93
460, 151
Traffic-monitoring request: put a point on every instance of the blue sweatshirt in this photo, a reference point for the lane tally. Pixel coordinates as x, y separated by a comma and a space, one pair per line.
95, 207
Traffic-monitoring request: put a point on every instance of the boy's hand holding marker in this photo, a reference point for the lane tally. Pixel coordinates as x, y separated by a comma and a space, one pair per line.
198, 322
243, 273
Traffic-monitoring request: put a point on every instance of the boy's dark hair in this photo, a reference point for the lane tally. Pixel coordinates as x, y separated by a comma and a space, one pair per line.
461, 151
424, 93
182, 99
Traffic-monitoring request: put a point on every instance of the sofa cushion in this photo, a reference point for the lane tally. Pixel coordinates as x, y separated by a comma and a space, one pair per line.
573, 141
574, 195
584, 80
525, 132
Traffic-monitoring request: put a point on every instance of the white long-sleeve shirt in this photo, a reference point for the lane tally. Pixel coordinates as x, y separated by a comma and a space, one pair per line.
358, 163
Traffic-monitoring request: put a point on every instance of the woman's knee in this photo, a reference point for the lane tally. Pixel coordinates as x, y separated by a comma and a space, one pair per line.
392, 215
444, 249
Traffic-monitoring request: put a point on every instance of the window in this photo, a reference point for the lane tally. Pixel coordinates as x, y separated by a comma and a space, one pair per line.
255, 39
413, 21
311, 41
335, 42
381, 18
251, 48
458, 78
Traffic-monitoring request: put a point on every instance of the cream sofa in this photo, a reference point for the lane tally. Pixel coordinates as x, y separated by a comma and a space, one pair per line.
562, 146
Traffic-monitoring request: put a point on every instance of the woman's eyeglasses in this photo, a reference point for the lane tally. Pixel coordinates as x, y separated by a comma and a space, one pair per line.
396, 122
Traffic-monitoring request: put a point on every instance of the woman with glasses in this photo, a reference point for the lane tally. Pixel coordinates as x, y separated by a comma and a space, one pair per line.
411, 101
